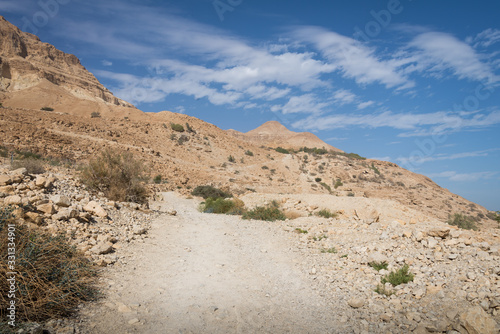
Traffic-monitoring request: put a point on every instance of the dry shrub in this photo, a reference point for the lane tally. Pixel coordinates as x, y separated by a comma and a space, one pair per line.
33, 166
52, 278
119, 176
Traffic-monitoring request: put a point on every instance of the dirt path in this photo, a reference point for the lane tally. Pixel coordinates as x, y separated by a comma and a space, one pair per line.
203, 273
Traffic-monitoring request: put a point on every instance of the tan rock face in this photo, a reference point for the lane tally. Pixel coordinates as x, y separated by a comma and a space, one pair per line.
477, 321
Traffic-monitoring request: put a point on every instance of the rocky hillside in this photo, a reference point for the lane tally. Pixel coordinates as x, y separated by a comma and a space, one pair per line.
275, 134
26, 63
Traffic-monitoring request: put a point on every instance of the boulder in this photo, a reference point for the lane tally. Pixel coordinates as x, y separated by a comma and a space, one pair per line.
13, 200
94, 208
477, 321
439, 232
102, 248
40, 181
356, 302
61, 200
5, 180
47, 208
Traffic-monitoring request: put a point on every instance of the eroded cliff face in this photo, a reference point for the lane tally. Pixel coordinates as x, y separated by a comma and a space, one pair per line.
25, 62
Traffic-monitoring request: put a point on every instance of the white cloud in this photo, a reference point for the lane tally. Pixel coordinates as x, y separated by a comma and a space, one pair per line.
364, 105
437, 52
416, 124
486, 38
352, 58
107, 63
464, 177
302, 104
344, 96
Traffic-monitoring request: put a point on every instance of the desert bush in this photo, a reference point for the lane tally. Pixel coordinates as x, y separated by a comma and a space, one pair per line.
26, 155
375, 169
95, 114
462, 221
177, 127
270, 212
331, 250
249, 153
182, 139
378, 265
157, 179
400, 276
52, 277
231, 159
264, 167
228, 206
4, 152
281, 150
209, 191
338, 183
47, 109
119, 176
350, 194
33, 166
325, 213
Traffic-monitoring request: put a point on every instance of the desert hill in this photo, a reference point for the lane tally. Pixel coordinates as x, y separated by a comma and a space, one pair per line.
87, 118
274, 134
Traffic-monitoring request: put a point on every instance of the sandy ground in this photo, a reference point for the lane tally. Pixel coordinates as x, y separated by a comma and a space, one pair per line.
203, 273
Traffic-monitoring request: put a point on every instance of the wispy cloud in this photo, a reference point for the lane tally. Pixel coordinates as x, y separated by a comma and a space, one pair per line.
307, 103
464, 177
486, 38
443, 157
424, 124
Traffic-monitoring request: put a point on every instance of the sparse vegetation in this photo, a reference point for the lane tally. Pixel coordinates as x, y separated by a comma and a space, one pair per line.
119, 176
462, 221
182, 139
52, 277
400, 276
321, 237
249, 153
95, 114
177, 127
33, 166
378, 265
375, 169
265, 167
314, 150
301, 231
281, 150
47, 109
338, 183
326, 186
318, 179
350, 194
325, 213
270, 212
220, 205
210, 192
331, 250
26, 155
231, 159
157, 179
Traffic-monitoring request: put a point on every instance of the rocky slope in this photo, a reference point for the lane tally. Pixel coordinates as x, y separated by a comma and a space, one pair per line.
26, 62
274, 134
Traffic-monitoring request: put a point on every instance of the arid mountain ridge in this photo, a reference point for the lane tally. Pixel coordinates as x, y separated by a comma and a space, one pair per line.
36, 75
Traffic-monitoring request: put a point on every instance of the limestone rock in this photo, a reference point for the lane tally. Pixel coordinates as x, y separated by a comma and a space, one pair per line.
40, 181
47, 208
477, 321
94, 208
356, 302
61, 200
102, 248
13, 200
439, 232
5, 180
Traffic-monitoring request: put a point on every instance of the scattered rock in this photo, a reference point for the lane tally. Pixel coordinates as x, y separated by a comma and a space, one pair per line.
102, 248
477, 321
356, 302
94, 208
61, 200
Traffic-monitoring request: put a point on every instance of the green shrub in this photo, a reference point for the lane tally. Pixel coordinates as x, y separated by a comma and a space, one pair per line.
462, 221
270, 212
326, 186
265, 167
157, 179
95, 114
338, 183
350, 194
350, 155
209, 191
375, 169
282, 150
325, 213
118, 176
231, 159
47, 109
220, 205
249, 153
301, 231
378, 265
318, 179
177, 127
401, 276
332, 250
52, 277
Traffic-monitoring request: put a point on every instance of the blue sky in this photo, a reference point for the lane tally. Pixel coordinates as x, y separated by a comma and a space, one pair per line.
412, 82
